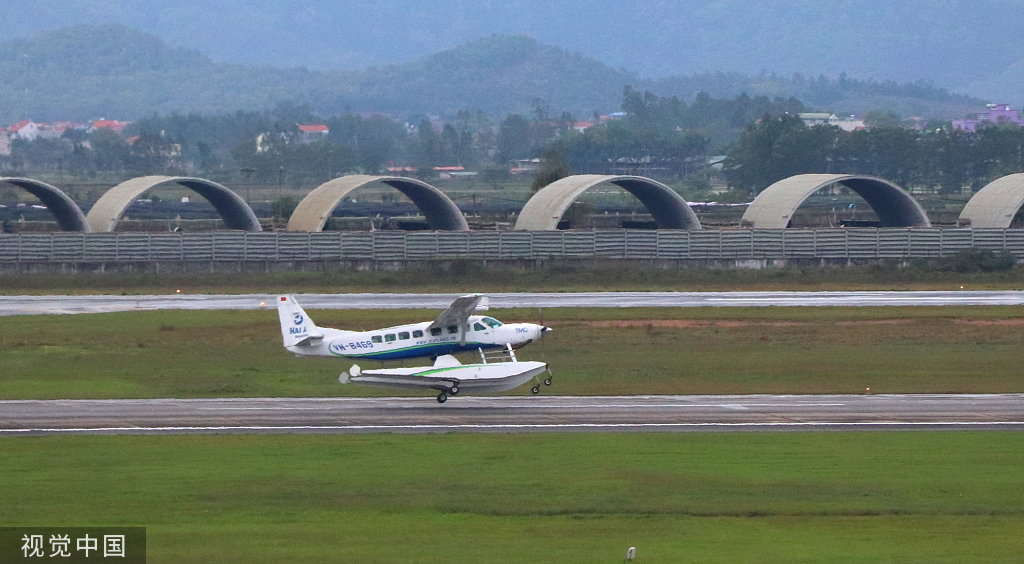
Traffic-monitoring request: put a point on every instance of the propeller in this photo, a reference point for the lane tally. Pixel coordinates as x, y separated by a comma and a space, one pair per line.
540, 321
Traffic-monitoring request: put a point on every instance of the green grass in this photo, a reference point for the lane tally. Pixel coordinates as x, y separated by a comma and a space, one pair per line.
592, 351
743, 497
473, 276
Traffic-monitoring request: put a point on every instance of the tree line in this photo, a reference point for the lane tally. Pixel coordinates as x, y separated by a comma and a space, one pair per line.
937, 158
763, 139
268, 147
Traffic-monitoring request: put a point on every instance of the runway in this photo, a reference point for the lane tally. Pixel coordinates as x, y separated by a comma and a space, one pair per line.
36, 305
513, 414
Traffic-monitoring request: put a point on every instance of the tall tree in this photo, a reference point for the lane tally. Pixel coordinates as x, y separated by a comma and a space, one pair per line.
514, 138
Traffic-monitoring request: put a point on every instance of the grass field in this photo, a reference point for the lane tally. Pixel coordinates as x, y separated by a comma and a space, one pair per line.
742, 497
472, 276
591, 351
804, 497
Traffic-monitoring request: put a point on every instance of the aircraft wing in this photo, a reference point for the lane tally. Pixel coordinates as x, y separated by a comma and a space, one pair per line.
460, 310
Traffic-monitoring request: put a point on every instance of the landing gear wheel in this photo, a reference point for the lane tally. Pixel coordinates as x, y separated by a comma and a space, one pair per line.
454, 390
442, 397
535, 389
547, 381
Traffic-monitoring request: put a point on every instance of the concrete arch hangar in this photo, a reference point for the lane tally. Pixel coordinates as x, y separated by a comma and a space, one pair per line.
995, 205
108, 210
545, 209
67, 213
312, 212
774, 207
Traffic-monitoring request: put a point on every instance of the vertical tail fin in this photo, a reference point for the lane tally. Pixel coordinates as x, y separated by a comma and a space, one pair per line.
296, 327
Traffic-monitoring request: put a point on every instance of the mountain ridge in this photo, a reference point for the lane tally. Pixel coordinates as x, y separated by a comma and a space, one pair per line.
83, 72
950, 43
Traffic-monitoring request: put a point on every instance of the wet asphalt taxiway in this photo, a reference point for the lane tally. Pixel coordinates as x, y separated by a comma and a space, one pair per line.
513, 414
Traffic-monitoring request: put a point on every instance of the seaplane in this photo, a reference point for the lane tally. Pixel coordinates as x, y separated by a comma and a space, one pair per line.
455, 330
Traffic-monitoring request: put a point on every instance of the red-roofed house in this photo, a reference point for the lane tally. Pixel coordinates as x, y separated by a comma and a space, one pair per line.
111, 124
310, 133
61, 126
581, 125
26, 129
46, 131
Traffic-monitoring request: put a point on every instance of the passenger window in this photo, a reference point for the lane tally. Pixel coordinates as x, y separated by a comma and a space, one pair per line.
478, 327
390, 337
376, 338
417, 334
436, 331
453, 329
403, 335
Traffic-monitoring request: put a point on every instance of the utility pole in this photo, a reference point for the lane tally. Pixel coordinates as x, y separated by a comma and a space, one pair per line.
280, 180
247, 171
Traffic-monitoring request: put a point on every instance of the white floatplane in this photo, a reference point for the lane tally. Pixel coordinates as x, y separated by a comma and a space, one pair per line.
498, 371
455, 330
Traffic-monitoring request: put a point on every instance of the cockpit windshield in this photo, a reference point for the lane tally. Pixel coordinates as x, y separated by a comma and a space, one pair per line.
491, 322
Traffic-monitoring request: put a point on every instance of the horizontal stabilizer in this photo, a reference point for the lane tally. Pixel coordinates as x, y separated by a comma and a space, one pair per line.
308, 341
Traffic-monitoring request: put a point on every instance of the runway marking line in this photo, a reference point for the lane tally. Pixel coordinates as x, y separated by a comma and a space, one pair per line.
548, 406
538, 426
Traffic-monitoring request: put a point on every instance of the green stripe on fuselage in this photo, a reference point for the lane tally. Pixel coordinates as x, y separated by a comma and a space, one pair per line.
410, 352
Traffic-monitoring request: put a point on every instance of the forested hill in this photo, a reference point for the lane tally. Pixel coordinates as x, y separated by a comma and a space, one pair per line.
86, 72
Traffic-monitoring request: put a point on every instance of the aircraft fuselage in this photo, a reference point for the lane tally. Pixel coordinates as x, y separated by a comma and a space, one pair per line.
418, 340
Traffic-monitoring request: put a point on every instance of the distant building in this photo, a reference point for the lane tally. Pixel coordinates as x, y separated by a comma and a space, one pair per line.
814, 118
846, 123
526, 166
46, 131
111, 124
850, 123
5, 144
582, 126
995, 113
916, 123
62, 126
26, 129
452, 172
314, 132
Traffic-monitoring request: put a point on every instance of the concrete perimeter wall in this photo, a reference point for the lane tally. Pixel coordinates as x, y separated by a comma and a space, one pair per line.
240, 251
